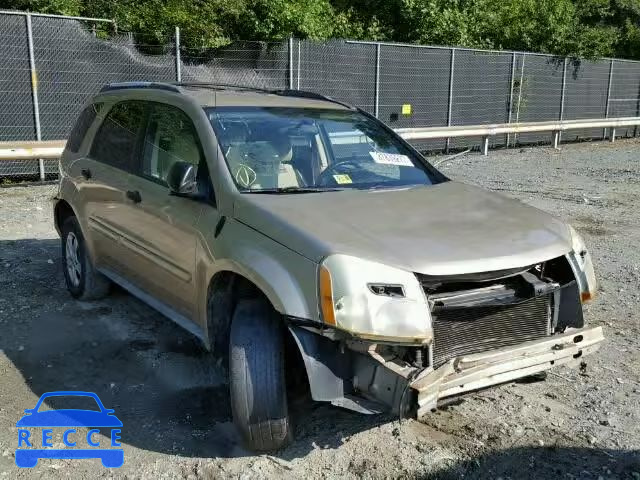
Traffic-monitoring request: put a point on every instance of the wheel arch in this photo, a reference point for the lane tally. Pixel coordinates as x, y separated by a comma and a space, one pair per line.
221, 299
61, 211
226, 288
257, 275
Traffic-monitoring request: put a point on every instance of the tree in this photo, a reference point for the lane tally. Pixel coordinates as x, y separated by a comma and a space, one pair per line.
580, 28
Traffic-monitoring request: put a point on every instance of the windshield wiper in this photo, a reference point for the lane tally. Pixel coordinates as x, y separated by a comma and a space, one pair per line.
293, 190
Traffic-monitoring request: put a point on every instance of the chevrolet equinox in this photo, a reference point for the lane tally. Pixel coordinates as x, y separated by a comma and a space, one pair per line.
296, 235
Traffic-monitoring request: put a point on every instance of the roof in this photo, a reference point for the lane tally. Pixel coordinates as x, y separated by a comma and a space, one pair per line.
209, 94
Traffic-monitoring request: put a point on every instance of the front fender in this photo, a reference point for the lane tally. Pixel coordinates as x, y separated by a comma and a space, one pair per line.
287, 279
280, 285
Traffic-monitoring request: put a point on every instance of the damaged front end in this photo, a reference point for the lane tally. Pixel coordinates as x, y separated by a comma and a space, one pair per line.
485, 329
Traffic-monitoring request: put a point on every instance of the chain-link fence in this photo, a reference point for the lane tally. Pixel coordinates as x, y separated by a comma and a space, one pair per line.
52, 65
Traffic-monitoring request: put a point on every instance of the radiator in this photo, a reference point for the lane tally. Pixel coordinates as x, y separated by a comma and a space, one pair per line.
461, 331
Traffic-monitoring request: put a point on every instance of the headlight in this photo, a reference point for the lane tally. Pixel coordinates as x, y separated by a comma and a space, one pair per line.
372, 300
582, 266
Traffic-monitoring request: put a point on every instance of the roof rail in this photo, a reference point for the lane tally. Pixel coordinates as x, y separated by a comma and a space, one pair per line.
286, 92
126, 85
175, 87
221, 86
312, 95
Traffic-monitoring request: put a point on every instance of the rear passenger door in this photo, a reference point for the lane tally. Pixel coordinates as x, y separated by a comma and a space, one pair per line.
163, 226
103, 178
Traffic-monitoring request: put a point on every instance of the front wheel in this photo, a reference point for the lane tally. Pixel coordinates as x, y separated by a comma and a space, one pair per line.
257, 376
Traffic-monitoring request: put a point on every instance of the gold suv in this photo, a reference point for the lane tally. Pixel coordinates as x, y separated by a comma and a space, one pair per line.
304, 241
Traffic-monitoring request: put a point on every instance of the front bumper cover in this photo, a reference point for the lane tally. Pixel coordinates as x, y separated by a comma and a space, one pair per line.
472, 372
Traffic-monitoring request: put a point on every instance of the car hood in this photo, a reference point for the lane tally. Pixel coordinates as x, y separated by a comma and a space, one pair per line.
445, 229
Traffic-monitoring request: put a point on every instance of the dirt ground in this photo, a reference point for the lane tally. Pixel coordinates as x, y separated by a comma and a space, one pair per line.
577, 424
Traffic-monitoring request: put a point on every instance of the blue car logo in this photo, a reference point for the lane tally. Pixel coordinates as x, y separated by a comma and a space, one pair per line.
28, 451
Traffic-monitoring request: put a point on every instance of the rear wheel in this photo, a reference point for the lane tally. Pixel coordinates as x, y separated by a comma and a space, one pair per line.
83, 280
257, 376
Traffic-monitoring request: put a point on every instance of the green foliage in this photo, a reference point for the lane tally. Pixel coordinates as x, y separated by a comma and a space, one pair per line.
61, 7
579, 28
278, 19
552, 26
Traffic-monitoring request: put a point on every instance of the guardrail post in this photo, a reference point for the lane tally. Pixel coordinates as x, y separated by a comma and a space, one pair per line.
449, 109
513, 73
485, 145
178, 61
562, 95
376, 98
34, 90
606, 110
556, 139
612, 135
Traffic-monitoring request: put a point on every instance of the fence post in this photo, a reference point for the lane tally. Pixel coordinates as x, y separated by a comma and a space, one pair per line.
635, 129
376, 100
178, 61
34, 90
299, 49
558, 137
290, 63
564, 88
513, 74
515, 135
606, 110
449, 109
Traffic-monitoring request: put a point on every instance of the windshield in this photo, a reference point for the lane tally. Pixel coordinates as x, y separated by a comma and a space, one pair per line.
297, 149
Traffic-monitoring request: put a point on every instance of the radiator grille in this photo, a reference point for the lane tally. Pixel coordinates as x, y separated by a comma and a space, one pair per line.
473, 330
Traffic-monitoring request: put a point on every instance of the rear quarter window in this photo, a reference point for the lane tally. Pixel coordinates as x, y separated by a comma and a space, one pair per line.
84, 121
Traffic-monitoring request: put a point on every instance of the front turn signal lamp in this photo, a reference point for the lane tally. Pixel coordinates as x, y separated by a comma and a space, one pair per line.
326, 297
582, 266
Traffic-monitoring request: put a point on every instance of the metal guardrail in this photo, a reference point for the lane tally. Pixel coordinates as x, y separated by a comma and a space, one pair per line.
33, 150
485, 131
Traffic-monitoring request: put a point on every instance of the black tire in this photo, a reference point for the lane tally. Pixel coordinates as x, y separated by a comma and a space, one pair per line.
257, 377
89, 284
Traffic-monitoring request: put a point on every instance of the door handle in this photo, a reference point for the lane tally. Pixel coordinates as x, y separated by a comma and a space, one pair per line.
86, 173
134, 196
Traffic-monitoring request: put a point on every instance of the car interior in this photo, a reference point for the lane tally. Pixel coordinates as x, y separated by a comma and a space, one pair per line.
262, 158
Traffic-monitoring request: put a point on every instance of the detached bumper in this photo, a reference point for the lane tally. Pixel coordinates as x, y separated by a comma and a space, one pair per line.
472, 372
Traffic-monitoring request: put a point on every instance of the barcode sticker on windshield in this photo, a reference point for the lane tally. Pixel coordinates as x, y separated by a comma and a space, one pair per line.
391, 159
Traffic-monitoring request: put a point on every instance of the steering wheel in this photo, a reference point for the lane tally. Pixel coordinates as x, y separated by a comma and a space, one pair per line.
352, 164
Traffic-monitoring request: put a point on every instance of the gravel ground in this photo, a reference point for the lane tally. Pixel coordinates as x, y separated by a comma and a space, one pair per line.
575, 424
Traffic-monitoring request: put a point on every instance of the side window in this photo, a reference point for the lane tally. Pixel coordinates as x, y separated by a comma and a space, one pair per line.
171, 137
115, 142
86, 118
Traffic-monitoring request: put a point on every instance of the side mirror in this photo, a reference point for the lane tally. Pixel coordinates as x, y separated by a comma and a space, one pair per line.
182, 179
